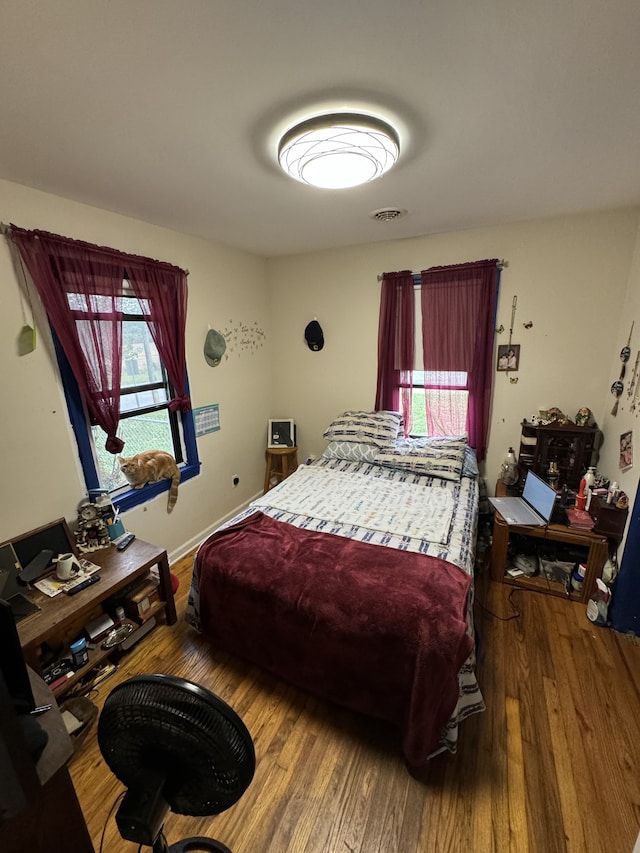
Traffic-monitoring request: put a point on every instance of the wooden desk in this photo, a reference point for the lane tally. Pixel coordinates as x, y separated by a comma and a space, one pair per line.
596, 550
63, 617
46, 815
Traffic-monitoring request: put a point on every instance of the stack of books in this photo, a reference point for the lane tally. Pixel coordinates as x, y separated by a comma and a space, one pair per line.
579, 518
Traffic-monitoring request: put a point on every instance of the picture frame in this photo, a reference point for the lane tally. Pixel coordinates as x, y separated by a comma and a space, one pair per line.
508, 357
281, 433
626, 451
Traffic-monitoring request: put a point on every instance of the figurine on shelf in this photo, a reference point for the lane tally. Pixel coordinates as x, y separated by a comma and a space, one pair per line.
584, 417
91, 533
556, 414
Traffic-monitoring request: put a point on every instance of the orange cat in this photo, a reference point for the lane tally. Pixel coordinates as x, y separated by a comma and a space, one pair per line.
151, 466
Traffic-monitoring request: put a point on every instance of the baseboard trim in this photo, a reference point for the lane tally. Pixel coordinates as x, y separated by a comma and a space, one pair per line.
192, 543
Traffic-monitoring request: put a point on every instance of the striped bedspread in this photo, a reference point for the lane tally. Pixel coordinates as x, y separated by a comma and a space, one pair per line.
400, 508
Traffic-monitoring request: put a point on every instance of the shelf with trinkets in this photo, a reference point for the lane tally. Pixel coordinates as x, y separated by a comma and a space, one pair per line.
56, 621
553, 441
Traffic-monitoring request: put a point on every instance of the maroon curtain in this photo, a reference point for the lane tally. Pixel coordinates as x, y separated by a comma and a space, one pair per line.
162, 293
81, 287
396, 348
458, 318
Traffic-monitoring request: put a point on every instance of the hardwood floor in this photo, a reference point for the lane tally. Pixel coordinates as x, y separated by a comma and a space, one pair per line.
551, 766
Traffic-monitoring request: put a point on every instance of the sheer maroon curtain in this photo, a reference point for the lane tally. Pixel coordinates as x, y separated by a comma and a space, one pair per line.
458, 319
162, 293
82, 290
396, 347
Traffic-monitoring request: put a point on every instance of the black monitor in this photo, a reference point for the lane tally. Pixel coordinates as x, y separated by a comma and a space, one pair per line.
12, 664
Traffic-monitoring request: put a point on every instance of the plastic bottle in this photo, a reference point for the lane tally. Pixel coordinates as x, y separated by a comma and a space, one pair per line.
79, 653
577, 576
589, 482
509, 470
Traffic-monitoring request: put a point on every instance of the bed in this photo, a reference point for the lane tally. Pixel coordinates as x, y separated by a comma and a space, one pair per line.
353, 579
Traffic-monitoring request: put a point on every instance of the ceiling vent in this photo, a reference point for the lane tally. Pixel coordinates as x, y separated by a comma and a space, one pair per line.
388, 214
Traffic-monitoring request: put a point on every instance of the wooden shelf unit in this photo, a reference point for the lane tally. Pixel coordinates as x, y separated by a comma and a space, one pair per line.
596, 550
571, 447
62, 618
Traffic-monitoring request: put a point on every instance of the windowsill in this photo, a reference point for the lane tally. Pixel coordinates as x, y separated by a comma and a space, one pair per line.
135, 497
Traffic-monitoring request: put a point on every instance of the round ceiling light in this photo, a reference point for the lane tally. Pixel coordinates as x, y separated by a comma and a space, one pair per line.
339, 150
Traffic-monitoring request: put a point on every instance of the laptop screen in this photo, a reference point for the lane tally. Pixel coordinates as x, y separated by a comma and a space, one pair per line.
539, 495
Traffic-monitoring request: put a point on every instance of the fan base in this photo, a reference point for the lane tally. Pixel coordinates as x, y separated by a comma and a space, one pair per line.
196, 843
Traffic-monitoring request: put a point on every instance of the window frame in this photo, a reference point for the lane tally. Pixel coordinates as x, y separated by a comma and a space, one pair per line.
81, 425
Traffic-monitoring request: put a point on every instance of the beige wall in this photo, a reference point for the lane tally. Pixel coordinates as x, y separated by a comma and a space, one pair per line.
570, 275
576, 278
625, 419
40, 469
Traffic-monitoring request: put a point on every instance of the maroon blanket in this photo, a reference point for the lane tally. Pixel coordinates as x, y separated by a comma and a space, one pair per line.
374, 629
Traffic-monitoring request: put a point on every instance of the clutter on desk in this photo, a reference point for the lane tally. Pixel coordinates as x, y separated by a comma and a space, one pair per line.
98, 523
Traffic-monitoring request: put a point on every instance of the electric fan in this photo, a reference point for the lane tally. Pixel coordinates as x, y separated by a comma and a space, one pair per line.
175, 746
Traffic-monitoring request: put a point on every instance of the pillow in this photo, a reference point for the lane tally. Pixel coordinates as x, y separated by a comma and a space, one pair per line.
442, 459
377, 428
470, 464
351, 450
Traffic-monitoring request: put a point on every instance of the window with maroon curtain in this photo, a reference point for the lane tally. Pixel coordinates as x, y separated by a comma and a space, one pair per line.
458, 317
82, 287
454, 372
396, 348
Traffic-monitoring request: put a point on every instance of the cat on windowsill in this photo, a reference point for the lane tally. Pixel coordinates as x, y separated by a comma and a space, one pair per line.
151, 466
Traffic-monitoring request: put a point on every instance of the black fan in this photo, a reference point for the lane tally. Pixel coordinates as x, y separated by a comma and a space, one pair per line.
178, 747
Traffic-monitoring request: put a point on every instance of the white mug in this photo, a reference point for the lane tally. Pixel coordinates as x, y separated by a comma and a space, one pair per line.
68, 566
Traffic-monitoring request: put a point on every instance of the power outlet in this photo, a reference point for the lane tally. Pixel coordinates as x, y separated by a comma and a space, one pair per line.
235, 480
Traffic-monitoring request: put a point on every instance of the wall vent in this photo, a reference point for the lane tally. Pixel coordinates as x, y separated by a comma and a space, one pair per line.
388, 214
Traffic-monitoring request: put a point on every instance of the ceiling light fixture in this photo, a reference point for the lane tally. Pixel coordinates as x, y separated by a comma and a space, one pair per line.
338, 150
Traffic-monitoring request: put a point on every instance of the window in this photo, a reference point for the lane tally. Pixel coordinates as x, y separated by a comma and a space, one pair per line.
146, 422
118, 322
145, 391
444, 396
452, 343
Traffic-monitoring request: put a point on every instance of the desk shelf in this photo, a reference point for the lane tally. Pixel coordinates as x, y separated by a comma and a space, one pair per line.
594, 546
63, 616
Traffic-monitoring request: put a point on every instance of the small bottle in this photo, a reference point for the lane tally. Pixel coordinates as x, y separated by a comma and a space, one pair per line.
119, 615
613, 492
589, 483
509, 469
79, 653
577, 577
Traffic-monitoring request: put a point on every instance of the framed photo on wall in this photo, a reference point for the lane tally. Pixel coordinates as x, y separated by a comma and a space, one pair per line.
282, 433
508, 357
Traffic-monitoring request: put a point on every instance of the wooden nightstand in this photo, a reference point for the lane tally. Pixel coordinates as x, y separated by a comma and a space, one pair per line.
281, 461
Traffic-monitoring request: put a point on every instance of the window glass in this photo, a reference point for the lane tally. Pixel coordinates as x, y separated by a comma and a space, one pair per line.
446, 402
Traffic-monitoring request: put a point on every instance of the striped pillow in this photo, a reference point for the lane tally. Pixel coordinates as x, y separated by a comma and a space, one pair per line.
443, 459
377, 428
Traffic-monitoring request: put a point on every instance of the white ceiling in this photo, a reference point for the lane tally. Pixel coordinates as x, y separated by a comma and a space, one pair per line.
170, 110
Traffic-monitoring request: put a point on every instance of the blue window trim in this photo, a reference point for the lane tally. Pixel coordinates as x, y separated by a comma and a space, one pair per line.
132, 497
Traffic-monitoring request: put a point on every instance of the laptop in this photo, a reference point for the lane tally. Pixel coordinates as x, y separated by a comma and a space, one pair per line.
533, 508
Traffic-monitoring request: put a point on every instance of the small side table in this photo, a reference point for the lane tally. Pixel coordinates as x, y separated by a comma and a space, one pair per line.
281, 461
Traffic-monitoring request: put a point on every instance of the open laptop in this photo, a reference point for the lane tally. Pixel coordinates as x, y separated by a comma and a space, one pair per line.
533, 508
